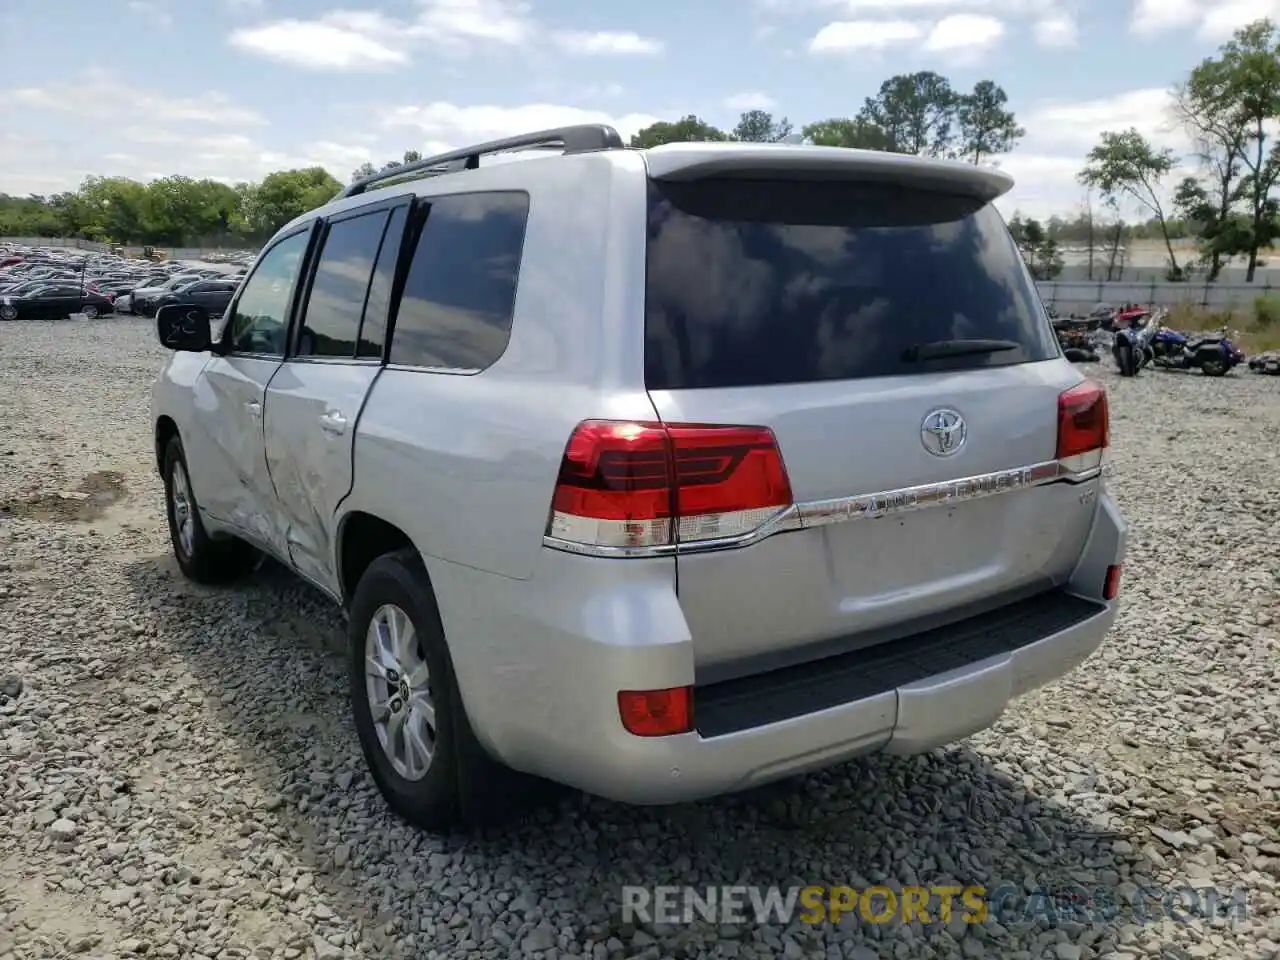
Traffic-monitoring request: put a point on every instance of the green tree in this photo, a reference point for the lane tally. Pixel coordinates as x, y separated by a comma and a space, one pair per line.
286, 194
1206, 109
848, 132
27, 217
1125, 164
687, 129
176, 209
1250, 79
986, 124
367, 169
759, 126
113, 208
917, 111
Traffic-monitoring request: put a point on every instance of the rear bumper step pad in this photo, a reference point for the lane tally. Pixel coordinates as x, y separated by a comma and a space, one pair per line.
754, 701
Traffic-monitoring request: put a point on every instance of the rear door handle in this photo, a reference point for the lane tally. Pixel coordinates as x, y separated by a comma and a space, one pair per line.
332, 421
254, 408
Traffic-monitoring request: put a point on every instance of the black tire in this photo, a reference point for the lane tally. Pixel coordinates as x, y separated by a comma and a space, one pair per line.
1214, 367
463, 786
1126, 362
208, 561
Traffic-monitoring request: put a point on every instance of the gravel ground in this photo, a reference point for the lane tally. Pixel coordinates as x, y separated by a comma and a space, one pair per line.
178, 776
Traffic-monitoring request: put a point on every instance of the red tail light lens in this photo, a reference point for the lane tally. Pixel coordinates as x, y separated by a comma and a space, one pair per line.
654, 484
1083, 427
1111, 586
656, 713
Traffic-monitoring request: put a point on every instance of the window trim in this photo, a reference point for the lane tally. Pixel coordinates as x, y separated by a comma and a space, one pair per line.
398, 272
417, 221
315, 253
291, 302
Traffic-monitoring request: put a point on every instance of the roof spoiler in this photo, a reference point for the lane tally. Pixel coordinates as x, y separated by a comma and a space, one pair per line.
695, 161
581, 138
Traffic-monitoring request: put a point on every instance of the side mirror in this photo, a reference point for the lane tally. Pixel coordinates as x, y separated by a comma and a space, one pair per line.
184, 327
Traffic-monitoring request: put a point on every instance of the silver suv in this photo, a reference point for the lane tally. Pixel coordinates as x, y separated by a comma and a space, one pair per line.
658, 473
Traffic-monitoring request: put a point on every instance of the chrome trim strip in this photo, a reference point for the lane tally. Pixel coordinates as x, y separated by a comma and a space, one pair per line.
867, 506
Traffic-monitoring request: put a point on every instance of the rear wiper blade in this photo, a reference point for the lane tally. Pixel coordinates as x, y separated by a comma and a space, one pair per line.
939, 349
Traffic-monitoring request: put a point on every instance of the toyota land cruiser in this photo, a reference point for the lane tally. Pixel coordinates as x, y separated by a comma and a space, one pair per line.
658, 473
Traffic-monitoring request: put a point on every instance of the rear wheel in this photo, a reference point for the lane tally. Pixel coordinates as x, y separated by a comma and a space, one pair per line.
200, 557
403, 696
409, 716
8, 312
90, 310
1213, 367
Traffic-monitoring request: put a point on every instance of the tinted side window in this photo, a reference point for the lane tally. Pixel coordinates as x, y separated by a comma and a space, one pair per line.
260, 322
331, 317
458, 298
767, 282
373, 332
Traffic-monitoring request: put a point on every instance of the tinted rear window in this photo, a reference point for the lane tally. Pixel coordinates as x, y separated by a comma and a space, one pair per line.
753, 283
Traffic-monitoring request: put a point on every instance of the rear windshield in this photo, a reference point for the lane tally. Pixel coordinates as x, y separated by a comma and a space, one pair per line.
764, 282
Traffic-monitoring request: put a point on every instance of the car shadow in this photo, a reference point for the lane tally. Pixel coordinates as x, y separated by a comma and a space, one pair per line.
267, 660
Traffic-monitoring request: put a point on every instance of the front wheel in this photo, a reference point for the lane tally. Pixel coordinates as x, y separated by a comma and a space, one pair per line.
1126, 362
200, 557
8, 312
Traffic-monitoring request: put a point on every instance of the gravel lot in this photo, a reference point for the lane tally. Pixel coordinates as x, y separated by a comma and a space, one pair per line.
178, 776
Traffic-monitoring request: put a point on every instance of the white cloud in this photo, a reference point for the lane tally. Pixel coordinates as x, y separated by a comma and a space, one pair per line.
44, 165
752, 100
945, 20
448, 125
606, 43
1081, 123
99, 94
47, 162
1060, 135
862, 7
964, 32
1056, 29
337, 41
364, 40
463, 23
1222, 19
1213, 20
844, 36
153, 10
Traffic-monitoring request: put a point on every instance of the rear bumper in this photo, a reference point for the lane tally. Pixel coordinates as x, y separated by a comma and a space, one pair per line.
544, 701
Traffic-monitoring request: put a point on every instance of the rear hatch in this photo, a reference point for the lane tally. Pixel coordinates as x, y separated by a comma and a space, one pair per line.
848, 317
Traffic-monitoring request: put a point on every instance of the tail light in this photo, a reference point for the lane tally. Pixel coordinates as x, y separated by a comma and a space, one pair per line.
1084, 427
656, 713
648, 486
1111, 585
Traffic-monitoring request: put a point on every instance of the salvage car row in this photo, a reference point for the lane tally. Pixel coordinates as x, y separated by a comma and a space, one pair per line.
42, 283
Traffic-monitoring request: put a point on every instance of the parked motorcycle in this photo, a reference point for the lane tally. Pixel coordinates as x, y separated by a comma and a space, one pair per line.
1131, 345
1075, 337
1126, 315
1213, 354
1266, 362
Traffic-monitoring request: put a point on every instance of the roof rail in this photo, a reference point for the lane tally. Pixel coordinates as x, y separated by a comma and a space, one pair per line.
582, 138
